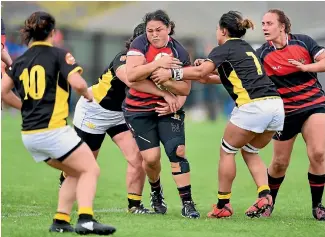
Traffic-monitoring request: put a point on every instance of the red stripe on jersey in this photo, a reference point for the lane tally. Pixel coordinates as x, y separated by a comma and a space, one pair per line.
297, 88
317, 101
276, 62
131, 102
141, 95
302, 96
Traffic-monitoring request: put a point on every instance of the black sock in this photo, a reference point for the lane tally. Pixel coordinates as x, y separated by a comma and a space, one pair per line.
155, 187
134, 200
274, 184
316, 183
85, 217
223, 199
185, 193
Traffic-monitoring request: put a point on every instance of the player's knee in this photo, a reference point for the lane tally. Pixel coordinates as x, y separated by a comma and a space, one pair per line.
280, 163
228, 148
317, 155
151, 160
175, 150
136, 162
180, 151
250, 149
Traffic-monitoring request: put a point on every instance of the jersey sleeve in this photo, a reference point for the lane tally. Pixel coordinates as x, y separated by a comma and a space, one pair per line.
184, 56
68, 64
218, 55
118, 61
138, 46
10, 71
314, 49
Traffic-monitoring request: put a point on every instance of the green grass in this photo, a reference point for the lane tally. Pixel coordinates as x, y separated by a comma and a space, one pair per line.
29, 192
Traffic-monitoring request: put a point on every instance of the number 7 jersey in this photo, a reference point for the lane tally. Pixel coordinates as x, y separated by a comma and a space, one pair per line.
40, 77
241, 72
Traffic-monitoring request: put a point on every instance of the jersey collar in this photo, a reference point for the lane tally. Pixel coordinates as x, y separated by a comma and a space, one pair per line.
36, 43
287, 42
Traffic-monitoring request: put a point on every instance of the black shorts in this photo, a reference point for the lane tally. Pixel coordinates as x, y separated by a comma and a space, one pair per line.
149, 130
293, 124
94, 141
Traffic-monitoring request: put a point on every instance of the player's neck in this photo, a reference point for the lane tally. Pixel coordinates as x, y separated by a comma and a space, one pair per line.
281, 41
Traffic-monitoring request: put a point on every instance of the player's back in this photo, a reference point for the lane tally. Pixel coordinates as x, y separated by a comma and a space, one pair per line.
40, 76
241, 72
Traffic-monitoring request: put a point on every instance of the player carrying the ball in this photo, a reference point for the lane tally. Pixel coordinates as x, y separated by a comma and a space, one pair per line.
140, 108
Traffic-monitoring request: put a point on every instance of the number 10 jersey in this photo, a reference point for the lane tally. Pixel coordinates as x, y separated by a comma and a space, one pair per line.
40, 77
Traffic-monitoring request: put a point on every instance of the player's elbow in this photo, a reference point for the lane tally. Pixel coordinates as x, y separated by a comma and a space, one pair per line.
80, 87
130, 75
184, 92
77, 83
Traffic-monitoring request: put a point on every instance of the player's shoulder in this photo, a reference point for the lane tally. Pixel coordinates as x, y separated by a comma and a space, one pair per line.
120, 58
177, 44
263, 50
140, 41
299, 37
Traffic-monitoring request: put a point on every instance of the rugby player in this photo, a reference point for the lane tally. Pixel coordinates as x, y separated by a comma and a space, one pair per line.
147, 53
42, 76
92, 120
292, 62
256, 98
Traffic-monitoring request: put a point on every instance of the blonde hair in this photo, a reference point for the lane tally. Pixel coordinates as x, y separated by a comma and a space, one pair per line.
247, 24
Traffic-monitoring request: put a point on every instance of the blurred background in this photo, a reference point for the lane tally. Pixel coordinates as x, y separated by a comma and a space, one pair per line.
95, 31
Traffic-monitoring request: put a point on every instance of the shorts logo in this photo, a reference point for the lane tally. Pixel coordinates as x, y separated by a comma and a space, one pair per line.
177, 117
69, 59
90, 125
175, 127
279, 133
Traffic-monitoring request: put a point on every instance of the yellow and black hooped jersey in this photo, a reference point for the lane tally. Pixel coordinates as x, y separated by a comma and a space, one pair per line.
110, 91
40, 77
241, 72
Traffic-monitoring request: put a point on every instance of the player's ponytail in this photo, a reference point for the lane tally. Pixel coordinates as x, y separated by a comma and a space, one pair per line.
247, 24
37, 27
235, 24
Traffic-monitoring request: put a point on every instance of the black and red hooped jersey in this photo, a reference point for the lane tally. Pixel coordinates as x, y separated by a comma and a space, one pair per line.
299, 90
140, 101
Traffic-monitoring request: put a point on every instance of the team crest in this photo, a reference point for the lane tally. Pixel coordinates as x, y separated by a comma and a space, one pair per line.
301, 60
69, 59
123, 58
177, 117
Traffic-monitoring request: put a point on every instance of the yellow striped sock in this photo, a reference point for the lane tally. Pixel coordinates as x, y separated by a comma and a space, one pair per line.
86, 210
62, 217
224, 196
263, 188
134, 196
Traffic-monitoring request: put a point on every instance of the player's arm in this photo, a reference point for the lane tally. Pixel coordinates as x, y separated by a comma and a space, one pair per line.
182, 88
72, 72
315, 51
5, 57
137, 68
79, 84
189, 73
7, 94
146, 86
